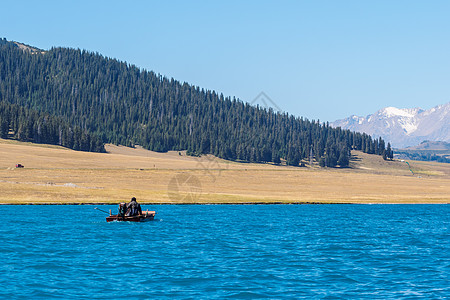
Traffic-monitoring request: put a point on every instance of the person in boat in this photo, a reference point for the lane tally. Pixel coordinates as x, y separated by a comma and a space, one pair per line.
122, 210
133, 208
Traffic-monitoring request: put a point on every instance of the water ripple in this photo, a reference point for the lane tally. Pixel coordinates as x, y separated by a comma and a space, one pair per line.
307, 251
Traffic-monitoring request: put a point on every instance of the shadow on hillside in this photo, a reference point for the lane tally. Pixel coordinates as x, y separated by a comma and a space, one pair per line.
355, 158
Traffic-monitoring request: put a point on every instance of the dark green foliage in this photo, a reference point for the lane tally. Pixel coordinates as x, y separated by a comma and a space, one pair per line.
322, 162
389, 153
344, 161
4, 126
293, 157
128, 106
275, 157
30, 126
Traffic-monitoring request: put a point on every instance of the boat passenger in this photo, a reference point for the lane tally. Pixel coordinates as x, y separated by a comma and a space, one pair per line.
122, 209
133, 208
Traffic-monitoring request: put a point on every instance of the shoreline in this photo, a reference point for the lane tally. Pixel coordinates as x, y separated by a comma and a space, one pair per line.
233, 203
65, 177
185, 203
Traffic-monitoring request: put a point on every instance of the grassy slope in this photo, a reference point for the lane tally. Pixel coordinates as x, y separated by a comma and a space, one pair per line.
57, 175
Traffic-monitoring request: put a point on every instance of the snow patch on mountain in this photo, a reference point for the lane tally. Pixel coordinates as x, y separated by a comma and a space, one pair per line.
396, 112
403, 127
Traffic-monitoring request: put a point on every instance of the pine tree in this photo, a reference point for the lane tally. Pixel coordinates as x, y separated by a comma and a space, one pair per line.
275, 157
343, 161
389, 152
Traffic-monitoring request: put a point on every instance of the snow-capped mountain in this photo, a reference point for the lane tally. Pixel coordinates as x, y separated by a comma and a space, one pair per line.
403, 127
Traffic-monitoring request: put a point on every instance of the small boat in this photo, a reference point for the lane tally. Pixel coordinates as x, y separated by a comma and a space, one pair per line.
146, 216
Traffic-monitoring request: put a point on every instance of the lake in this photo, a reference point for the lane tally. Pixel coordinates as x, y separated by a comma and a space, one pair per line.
226, 251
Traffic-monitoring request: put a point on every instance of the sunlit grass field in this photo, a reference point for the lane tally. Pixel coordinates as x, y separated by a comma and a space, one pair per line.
57, 175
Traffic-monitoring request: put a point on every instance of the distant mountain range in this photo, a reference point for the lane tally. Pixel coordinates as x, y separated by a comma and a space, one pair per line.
428, 145
403, 127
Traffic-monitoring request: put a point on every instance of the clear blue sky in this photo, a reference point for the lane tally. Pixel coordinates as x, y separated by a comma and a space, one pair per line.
317, 59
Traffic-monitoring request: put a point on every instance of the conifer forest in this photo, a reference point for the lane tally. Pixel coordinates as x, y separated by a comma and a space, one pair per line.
81, 100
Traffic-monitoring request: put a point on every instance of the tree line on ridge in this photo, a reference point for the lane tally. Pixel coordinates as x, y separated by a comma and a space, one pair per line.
122, 104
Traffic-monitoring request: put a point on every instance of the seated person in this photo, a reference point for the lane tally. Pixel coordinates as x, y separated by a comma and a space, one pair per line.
122, 209
133, 208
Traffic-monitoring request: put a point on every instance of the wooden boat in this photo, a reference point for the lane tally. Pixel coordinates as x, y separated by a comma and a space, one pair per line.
146, 216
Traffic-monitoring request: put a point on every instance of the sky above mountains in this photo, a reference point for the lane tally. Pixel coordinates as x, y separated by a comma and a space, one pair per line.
317, 59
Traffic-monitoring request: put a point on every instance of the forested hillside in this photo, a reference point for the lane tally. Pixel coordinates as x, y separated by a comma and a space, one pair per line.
126, 105
31, 126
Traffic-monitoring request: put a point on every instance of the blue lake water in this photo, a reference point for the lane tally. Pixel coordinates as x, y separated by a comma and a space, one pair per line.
227, 251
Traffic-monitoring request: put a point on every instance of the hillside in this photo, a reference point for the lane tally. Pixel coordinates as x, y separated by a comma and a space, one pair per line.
53, 174
125, 105
23, 47
426, 151
430, 145
29, 125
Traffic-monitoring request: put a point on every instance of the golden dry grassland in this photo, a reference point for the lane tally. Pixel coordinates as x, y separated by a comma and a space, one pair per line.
54, 174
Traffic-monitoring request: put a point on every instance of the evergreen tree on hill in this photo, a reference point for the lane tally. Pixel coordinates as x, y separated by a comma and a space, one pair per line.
31, 126
125, 105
